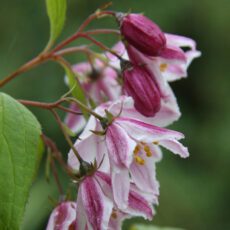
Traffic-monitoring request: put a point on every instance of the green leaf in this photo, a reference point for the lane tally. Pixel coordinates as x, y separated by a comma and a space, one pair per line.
20, 154
56, 10
74, 85
151, 227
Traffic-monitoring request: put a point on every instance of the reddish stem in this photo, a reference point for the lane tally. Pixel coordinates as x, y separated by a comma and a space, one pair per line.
49, 106
48, 55
55, 174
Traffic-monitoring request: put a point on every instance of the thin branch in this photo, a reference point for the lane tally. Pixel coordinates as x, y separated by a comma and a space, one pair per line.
59, 122
99, 44
87, 109
27, 66
103, 31
43, 105
56, 153
55, 174
68, 110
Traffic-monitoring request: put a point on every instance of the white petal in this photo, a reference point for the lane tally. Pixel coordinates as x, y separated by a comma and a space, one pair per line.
147, 133
144, 176
176, 147
120, 185
180, 41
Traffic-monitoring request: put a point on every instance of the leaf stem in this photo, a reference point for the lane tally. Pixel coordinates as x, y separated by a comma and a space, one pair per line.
87, 109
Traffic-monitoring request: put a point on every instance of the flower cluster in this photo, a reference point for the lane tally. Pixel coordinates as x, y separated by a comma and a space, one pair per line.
122, 144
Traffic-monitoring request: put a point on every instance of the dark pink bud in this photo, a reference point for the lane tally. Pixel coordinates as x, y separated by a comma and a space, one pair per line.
140, 86
143, 34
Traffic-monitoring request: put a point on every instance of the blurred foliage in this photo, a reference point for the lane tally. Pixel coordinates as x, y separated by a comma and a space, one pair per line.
195, 191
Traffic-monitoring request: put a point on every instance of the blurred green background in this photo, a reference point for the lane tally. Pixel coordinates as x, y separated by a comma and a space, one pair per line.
194, 192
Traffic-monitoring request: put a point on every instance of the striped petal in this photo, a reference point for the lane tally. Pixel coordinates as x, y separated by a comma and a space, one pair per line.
63, 217
97, 206
119, 145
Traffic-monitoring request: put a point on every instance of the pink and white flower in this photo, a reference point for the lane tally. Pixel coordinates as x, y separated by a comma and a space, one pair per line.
171, 67
99, 84
95, 208
176, 70
167, 67
130, 145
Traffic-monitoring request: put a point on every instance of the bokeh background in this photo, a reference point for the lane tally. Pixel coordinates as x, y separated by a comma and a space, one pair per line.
194, 192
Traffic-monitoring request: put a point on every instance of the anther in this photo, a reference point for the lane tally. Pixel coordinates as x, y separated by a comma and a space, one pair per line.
156, 143
139, 160
147, 151
114, 215
163, 67
136, 150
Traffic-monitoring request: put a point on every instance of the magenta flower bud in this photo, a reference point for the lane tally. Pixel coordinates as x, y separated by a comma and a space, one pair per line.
143, 34
140, 86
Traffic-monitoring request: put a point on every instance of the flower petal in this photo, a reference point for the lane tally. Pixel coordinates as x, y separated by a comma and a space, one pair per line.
139, 206
81, 218
98, 207
176, 147
147, 133
120, 146
109, 85
121, 185
75, 122
173, 52
62, 217
144, 176
180, 41
168, 113
90, 149
116, 220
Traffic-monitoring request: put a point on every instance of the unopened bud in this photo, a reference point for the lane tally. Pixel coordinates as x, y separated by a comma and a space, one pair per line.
140, 86
143, 34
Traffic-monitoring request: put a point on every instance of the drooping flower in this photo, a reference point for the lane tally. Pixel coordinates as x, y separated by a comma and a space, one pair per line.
99, 84
125, 141
142, 33
170, 69
162, 70
63, 217
95, 207
139, 202
175, 70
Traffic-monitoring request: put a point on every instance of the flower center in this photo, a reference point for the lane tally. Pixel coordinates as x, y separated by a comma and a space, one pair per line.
140, 149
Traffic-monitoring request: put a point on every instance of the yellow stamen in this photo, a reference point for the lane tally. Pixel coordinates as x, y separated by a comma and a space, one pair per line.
114, 215
147, 151
156, 143
136, 150
139, 160
163, 67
